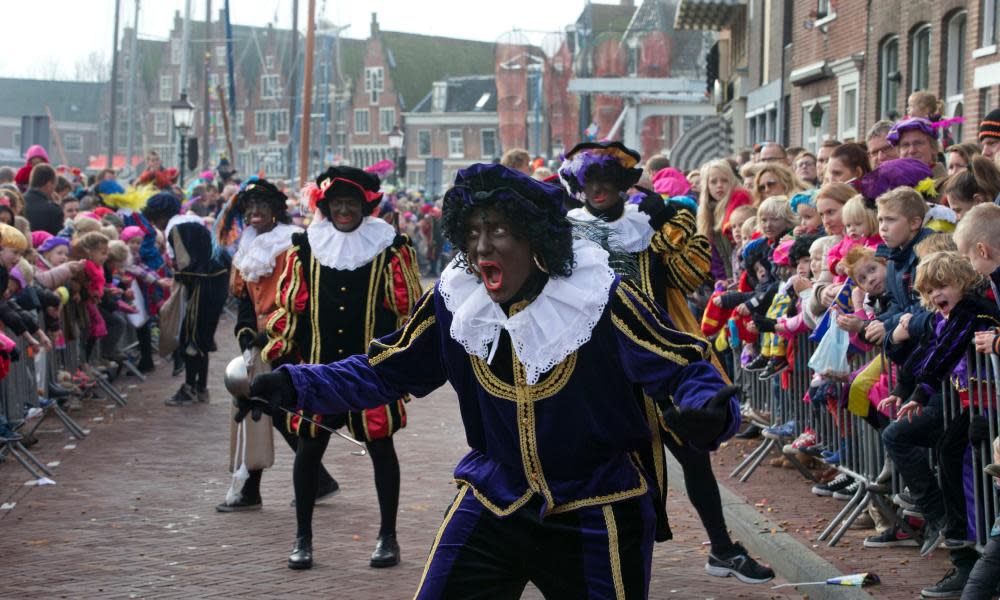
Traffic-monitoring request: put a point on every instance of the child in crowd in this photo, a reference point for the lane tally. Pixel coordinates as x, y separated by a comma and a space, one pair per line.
804, 206
977, 239
92, 248
975, 185
740, 216
860, 224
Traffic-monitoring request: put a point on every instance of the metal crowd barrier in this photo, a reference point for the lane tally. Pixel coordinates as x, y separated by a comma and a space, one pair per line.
861, 451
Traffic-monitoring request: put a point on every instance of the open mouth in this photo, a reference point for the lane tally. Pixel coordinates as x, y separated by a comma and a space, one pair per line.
943, 306
492, 274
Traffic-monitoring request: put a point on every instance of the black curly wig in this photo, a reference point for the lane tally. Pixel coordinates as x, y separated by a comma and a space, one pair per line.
800, 247
532, 208
263, 192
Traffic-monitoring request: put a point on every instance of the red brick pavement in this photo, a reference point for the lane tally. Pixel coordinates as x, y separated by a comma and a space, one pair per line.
132, 513
783, 496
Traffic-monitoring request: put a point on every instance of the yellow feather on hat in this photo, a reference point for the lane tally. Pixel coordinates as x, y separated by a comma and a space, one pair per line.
133, 198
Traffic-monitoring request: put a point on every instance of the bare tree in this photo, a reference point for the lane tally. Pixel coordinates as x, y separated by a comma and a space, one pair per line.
47, 69
95, 66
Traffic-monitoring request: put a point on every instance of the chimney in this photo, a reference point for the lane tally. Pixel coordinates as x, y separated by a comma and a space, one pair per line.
374, 25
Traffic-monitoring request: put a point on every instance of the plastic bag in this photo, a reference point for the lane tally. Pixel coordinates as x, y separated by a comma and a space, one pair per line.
830, 357
171, 319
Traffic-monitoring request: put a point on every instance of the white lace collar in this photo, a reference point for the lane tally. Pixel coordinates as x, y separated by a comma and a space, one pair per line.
174, 222
348, 251
550, 328
256, 255
630, 232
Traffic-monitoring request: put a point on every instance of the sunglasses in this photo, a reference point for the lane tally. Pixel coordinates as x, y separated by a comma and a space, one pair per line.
766, 185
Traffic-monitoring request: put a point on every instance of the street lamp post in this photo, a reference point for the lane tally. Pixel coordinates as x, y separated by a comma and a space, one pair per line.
183, 115
396, 143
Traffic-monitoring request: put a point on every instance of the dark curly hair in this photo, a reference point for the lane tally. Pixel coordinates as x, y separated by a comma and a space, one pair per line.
550, 236
800, 247
264, 192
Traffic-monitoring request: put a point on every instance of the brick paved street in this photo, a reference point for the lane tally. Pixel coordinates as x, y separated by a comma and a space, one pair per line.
132, 513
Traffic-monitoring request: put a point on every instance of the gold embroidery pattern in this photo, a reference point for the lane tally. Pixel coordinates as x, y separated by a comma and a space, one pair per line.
414, 328
550, 386
437, 539
640, 490
531, 461
493, 508
669, 349
613, 558
652, 417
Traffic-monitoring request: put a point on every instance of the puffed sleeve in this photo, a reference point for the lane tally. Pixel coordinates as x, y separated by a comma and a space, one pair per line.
291, 298
407, 361
669, 365
685, 255
402, 280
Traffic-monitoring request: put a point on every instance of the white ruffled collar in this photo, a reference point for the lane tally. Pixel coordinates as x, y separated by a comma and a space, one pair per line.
630, 232
348, 251
553, 326
256, 255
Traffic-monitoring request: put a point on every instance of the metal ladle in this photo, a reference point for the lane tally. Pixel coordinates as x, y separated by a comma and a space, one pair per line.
237, 382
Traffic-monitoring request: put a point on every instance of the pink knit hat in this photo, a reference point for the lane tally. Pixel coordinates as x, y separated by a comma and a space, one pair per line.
36, 151
39, 237
671, 182
130, 232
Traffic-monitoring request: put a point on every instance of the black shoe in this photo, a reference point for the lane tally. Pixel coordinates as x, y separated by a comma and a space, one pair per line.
827, 489
325, 493
757, 364
302, 554
241, 505
774, 367
893, 537
386, 552
847, 493
950, 586
750, 433
185, 396
146, 366
933, 535
740, 565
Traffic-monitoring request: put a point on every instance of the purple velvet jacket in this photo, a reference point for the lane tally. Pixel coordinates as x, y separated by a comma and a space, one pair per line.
572, 438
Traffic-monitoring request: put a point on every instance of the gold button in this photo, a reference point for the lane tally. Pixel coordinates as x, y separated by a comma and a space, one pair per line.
343, 289
341, 309
340, 332
340, 350
534, 477
524, 420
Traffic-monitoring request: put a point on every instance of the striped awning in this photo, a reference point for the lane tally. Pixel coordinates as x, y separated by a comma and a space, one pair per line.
707, 14
709, 139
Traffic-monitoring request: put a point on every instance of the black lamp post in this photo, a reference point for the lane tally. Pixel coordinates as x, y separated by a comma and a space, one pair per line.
183, 115
396, 143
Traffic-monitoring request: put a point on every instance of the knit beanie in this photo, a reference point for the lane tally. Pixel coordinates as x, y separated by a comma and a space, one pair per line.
990, 126
39, 237
130, 232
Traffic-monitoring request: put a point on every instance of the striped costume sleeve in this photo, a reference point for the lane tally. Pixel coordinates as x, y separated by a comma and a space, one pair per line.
291, 299
402, 280
685, 255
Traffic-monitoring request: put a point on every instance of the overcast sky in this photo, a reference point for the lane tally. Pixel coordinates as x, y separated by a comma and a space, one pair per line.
46, 38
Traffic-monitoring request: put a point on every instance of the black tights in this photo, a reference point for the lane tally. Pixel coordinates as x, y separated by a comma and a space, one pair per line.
196, 371
251, 488
308, 460
703, 492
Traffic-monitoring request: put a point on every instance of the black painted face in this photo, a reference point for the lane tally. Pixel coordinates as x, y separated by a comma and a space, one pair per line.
346, 212
503, 260
259, 216
602, 195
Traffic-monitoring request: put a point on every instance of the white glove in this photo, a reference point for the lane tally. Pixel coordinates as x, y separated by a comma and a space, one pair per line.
248, 356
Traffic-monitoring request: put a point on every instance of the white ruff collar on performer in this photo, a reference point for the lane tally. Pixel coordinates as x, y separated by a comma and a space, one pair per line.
630, 232
348, 251
174, 222
553, 326
255, 257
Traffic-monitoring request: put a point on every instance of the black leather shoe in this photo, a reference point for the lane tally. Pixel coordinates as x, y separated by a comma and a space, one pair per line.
751, 433
325, 492
386, 552
241, 505
302, 554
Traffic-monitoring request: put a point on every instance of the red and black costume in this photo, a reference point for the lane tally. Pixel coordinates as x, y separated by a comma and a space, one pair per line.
337, 292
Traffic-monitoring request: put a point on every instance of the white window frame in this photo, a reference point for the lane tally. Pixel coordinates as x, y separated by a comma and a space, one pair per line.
917, 65
884, 83
459, 150
386, 117
220, 56
265, 117
16, 141
367, 121
166, 91
430, 142
482, 143
161, 122
988, 14
270, 86
374, 83
269, 62
73, 142
175, 51
955, 52
847, 83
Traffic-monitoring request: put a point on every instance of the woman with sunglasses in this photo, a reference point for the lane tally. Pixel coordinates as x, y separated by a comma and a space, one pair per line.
346, 281
775, 179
